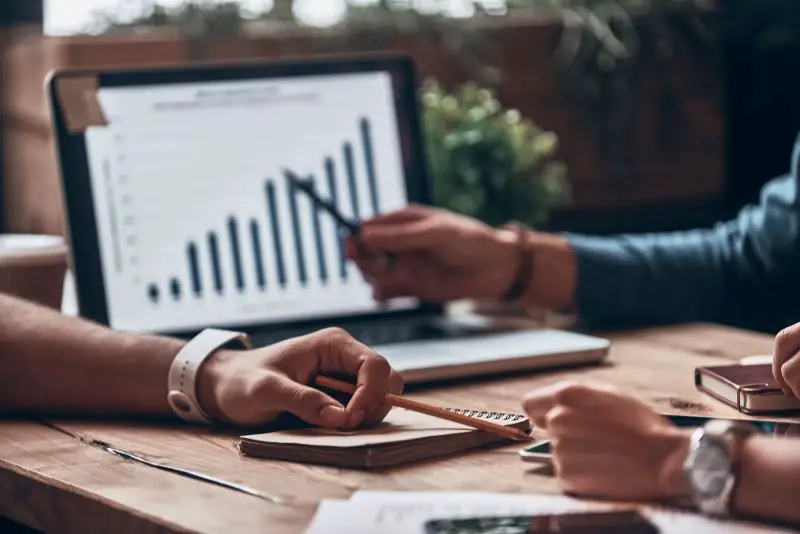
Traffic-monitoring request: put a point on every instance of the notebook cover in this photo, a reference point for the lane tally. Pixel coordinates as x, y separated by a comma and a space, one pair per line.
746, 379
403, 436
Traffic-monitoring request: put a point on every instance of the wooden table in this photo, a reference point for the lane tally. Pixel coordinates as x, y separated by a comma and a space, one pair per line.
52, 480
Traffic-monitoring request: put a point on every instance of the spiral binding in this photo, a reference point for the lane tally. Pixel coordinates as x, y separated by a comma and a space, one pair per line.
483, 414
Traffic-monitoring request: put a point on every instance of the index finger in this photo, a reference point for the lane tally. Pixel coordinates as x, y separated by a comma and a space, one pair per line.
787, 344
415, 235
538, 403
409, 214
373, 378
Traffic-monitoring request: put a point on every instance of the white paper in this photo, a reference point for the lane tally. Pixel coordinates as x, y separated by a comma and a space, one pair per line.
408, 516
406, 512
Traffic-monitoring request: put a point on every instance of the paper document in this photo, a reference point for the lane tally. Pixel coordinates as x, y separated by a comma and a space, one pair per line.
406, 512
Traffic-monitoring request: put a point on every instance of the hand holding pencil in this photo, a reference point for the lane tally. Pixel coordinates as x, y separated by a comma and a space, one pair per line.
434, 411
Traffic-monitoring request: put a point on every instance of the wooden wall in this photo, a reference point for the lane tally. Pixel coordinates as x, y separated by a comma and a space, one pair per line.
19, 20
688, 168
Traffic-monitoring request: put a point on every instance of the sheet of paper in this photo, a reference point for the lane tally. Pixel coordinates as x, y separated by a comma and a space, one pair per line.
407, 512
399, 426
408, 516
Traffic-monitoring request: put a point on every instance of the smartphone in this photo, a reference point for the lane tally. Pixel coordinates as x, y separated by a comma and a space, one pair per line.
539, 452
620, 522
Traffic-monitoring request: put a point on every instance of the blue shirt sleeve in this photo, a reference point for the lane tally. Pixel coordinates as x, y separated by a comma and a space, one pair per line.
744, 272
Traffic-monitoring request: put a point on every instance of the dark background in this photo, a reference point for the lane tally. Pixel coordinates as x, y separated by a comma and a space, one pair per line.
762, 87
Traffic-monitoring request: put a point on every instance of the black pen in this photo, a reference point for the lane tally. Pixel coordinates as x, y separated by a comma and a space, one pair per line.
306, 187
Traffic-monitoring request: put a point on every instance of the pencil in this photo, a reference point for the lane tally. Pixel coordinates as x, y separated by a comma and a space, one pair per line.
434, 411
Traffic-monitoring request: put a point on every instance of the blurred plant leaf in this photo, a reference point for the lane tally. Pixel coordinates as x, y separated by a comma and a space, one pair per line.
489, 162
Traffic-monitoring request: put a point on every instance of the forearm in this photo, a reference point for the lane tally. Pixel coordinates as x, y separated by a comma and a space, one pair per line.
769, 487
51, 363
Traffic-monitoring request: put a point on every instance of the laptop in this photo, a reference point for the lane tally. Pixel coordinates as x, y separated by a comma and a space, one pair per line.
180, 216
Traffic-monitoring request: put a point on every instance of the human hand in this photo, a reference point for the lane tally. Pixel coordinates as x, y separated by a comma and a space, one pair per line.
786, 359
441, 256
254, 387
607, 444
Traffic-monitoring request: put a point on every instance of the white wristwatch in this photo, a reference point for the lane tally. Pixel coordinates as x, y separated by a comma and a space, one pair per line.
182, 385
712, 466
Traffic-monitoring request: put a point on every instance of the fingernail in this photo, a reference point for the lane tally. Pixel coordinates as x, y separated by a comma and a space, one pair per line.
332, 416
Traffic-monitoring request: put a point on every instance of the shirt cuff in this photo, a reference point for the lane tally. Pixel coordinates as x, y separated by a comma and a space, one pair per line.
610, 288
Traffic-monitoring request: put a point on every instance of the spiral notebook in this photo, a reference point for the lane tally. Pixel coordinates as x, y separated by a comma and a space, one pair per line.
404, 436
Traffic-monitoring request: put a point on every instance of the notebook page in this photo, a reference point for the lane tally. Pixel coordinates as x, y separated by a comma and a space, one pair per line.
400, 425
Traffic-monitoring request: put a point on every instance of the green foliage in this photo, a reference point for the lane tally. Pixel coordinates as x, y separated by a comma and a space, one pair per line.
489, 162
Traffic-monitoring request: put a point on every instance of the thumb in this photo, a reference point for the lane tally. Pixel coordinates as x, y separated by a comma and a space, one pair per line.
309, 404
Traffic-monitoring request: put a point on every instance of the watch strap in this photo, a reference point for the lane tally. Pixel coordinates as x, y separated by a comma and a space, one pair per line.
736, 432
182, 381
522, 276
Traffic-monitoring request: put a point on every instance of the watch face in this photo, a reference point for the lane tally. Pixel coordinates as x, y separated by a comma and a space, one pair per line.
710, 469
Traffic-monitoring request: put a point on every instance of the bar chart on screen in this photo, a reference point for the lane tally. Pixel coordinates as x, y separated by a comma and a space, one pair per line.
262, 238
198, 221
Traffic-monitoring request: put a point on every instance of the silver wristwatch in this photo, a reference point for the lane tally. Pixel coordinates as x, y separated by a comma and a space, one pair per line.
712, 465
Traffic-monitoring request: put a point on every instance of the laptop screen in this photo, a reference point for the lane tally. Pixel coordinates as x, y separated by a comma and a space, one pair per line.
197, 224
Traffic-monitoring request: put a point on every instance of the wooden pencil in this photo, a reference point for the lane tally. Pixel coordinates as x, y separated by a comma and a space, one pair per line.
434, 411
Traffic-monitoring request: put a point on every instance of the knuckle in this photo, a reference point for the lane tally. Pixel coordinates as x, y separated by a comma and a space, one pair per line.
570, 393
302, 397
558, 416
529, 401
266, 384
787, 335
335, 333
379, 363
331, 339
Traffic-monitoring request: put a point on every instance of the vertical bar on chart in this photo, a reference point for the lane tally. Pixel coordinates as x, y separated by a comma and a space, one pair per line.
351, 178
216, 268
323, 268
298, 236
259, 259
153, 293
236, 253
272, 209
194, 269
330, 171
369, 162
175, 288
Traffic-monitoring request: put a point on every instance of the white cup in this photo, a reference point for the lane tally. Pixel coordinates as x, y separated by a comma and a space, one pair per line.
32, 267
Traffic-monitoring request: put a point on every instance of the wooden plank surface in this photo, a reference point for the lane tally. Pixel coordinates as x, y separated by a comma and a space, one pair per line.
710, 339
53, 481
